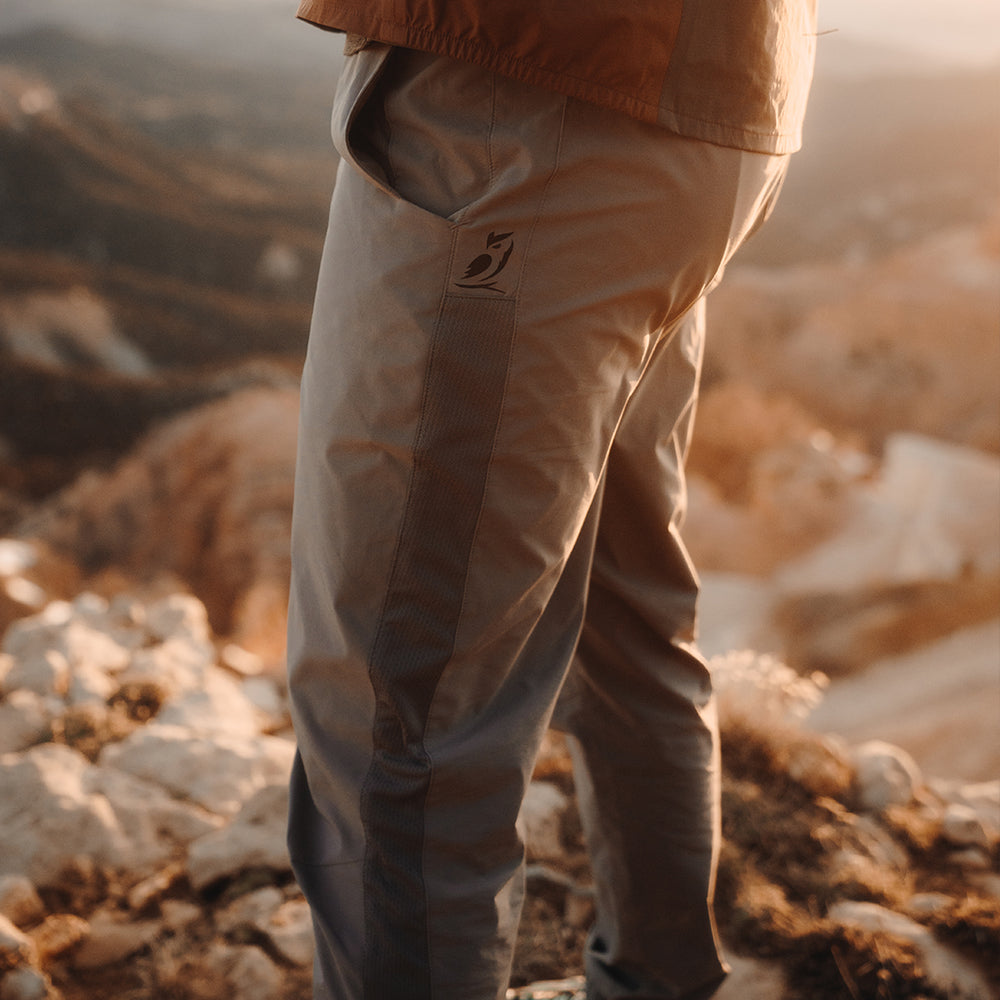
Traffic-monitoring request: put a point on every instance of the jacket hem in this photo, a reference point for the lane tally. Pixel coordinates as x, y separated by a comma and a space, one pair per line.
318, 12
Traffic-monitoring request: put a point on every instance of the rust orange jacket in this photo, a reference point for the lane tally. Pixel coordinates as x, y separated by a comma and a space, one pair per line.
731, 72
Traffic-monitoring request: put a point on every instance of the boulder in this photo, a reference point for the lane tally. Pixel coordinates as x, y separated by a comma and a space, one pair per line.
112, 939
55, 806
25, 720
286, 924
249, 911
930, 515
885, 775
58, 628
982, 797
153, 821
962, 827
255, 838
44, 671
178, 616
938, 702
173, 666
219, 772
47, 816
289, 930
247, 972
540, 820
89, 685
26, 984
217, 707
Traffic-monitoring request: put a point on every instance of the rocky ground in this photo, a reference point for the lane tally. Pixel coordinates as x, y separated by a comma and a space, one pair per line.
143, 797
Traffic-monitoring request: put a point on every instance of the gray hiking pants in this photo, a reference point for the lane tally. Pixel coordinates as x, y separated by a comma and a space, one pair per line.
496, 405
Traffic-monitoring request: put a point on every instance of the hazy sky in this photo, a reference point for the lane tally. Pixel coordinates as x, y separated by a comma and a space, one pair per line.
958, 29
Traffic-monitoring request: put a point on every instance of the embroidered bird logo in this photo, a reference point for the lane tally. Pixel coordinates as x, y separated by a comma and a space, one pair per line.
483, 269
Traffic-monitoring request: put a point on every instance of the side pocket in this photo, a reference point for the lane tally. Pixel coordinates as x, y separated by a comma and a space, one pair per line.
419, 127
360, 77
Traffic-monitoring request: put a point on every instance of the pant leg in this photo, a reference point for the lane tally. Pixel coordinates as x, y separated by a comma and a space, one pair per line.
641, 713
479, 330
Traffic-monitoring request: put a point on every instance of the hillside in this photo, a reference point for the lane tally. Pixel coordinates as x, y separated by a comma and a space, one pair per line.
886, 159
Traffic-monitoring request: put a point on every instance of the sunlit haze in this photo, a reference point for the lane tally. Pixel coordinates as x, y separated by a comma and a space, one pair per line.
960, 30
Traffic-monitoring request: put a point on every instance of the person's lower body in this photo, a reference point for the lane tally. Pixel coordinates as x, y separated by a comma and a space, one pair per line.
496, 406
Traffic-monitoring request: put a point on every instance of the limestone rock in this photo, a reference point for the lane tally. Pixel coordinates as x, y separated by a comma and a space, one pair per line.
45, 672
54, 806
929, 903
982, 797
246, 970
962, 827
954, 975
287, 924
241, 661
25, 719
250, 910
19, 900
112, 939
58, 628
47, 815
16, 556
272, 708
218, 773
540, 820
254, 839
153, 821
30, 574
89, 685
217, 707
19, 598
92, 608
175, 665
931, 515
178, 616
938, 702
290, 932
886, 775
26, 984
